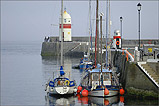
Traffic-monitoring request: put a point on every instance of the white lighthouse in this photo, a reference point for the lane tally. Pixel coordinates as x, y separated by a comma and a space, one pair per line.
66, 27
117, 40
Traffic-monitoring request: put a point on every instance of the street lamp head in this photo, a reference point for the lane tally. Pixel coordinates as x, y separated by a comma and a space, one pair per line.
121, 18
139, 6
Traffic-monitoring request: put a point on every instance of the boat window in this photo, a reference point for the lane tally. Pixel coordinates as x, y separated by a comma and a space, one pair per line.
95, 77
106, 76
60, 82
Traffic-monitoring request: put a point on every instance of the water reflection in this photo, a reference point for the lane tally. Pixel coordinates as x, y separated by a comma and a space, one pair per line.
59, 101
97, 101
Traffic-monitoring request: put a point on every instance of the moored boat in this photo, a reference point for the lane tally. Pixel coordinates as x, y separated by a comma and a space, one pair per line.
61, 85
99, 83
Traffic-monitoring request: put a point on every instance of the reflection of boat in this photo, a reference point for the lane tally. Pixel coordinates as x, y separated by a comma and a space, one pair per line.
62, 101
104, 101
96, 101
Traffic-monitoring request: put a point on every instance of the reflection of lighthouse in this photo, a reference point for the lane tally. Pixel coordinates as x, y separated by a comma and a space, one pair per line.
66, 27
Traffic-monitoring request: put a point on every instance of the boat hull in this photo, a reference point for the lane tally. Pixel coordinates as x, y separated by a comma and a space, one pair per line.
62, 90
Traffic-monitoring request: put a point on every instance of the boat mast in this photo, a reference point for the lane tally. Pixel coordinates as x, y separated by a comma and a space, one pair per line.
106, 32
62, 33
109, 52
89, 28
90, 24
101, 41
97, 37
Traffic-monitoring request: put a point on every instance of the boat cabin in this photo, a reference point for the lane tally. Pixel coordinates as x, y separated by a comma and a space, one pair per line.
59, 82
95, 77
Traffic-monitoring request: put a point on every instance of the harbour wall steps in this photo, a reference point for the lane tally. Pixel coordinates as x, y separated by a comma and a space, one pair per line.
135, 80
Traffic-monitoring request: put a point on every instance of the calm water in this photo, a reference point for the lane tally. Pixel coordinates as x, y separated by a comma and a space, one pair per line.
24, 72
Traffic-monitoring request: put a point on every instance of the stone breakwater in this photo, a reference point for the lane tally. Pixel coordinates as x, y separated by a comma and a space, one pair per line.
79, 45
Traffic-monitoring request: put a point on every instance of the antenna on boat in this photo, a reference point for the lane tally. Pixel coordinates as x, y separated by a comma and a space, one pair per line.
61, 32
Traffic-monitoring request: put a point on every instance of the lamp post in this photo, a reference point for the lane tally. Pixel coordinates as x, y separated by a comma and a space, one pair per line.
121, 19
139, 8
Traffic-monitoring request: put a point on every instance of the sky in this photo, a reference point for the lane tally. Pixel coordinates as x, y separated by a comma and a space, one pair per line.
33, 20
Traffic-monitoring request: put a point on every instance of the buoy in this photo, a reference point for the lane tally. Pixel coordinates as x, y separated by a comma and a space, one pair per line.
106, 91
85, 92
122, 91
85, 100
78, 91
106, 102
79, 88
122, 99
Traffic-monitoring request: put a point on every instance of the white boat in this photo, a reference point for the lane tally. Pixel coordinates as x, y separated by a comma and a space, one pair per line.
61, 85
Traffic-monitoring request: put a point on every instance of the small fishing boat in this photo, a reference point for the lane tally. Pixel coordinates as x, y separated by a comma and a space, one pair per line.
61, 85
99, 83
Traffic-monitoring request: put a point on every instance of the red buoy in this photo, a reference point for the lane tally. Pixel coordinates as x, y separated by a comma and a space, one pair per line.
79, 88
85, 92
78, 91
122, 99
106, 91
122, 91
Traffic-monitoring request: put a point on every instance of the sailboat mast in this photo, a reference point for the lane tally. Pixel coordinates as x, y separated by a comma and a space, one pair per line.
109, 52
62, 33
97, 37
106, 32
89, 27
101, 39
90, 24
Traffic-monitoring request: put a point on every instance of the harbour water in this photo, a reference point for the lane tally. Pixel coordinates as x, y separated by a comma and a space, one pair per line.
24, 74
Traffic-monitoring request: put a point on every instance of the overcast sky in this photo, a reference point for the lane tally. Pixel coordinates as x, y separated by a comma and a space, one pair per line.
31, 20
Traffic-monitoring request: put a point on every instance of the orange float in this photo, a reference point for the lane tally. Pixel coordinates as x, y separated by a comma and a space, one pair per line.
122, 91
106, 91
85, 92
